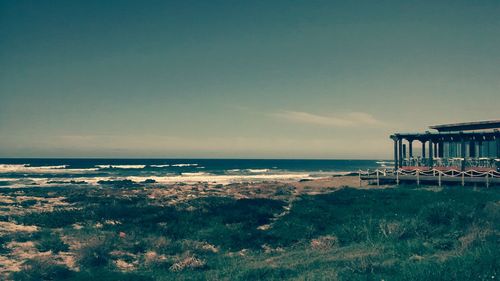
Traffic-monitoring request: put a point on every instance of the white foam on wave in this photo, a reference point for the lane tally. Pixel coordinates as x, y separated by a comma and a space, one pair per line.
12, 167
184, 165
27, 169
188, 178
160, 166
51, 167
236, 176
120, 166
258, 170
25, 182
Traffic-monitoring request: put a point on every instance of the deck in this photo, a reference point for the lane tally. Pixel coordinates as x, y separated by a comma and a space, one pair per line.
433, 180
433, 176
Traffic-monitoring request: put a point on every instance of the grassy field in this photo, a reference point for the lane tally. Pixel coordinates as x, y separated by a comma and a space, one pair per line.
114, 233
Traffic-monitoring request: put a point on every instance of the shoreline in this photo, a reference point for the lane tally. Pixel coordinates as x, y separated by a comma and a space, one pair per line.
185, 178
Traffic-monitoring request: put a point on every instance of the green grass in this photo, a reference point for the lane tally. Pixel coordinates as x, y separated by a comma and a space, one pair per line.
50, 241
405, 233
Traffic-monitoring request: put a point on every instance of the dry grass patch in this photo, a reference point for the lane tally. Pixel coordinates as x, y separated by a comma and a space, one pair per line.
10, 227
324, 243
189, 262
475, 234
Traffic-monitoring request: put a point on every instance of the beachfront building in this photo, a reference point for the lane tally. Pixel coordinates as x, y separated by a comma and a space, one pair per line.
461, 146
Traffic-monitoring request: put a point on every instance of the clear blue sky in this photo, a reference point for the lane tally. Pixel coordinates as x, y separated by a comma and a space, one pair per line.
273, 79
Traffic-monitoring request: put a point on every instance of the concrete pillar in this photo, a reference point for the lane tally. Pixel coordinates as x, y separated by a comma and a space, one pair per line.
480, 148
395, 154
423, 149
462, 152
487, 152
431, 164
400, 156
472, 149
410, 148
404, 152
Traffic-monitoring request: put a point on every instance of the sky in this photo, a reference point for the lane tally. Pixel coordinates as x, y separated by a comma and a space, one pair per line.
240, 79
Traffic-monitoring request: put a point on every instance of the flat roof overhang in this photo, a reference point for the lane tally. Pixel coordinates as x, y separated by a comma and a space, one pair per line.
469, 126
448, 136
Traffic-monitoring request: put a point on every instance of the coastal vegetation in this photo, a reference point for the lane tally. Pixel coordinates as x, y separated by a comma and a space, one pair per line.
116, 232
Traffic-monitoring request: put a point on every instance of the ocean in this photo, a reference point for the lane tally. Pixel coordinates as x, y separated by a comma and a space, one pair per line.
51, 172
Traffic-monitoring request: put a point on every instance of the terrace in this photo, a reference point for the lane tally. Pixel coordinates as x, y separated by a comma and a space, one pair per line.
461, 152
476, 146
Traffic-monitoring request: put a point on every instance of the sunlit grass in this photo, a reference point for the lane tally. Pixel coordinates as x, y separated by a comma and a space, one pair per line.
405, 233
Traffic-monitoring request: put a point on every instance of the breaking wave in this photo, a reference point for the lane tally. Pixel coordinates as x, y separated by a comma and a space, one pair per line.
26, 168
48, 172
184, 165
258, 170
121, 166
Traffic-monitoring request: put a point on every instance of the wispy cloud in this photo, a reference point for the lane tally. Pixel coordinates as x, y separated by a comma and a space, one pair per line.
351, 119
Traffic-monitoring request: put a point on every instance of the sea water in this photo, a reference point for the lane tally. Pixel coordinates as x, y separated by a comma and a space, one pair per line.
47, 172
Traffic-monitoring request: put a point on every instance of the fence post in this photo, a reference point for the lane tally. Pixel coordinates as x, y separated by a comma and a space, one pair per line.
418, 177
397, 177
487, 181
439, 175
463, 178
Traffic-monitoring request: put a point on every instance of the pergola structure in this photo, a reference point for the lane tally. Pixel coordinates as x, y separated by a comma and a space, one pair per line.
459, 146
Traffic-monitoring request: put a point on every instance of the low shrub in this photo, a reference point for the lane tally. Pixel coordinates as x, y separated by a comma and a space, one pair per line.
28, 203
55, 219
3, 242
95, 253
105, 274
50, 241
284, 191
119, 183
42, 269
441, 213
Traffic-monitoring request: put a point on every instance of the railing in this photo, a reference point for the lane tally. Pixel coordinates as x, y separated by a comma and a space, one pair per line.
452, 162
430, 172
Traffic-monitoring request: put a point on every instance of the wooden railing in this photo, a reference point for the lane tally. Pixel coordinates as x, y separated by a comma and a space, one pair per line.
440, 173
456, 161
